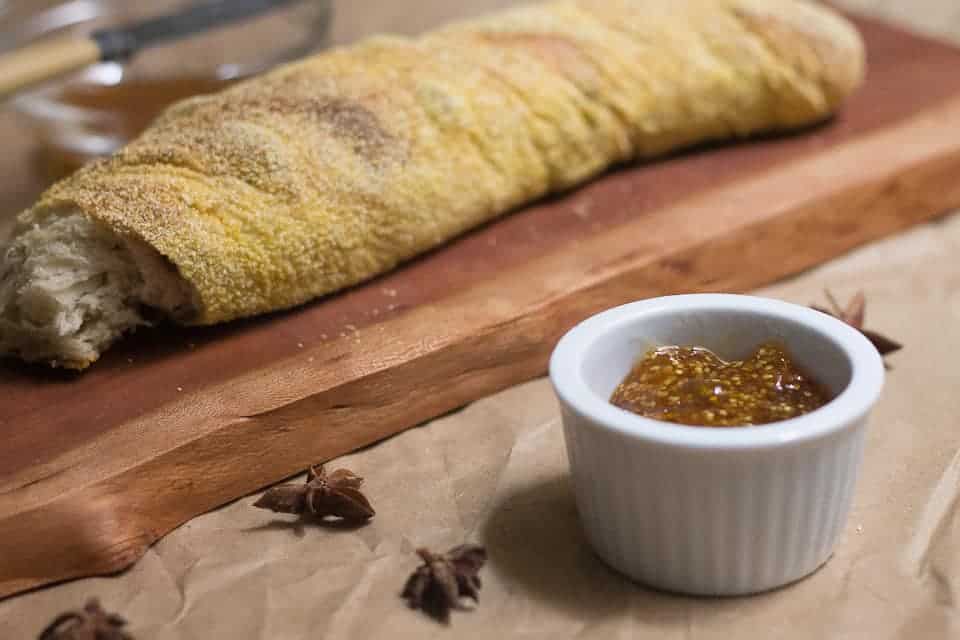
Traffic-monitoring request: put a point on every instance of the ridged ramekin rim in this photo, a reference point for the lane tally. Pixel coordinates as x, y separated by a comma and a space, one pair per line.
844, 411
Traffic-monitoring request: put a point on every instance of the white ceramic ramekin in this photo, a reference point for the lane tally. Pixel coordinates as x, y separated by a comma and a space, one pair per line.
713, 511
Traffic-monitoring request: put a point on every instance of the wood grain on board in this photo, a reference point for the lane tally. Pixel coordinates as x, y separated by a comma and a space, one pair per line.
173, 422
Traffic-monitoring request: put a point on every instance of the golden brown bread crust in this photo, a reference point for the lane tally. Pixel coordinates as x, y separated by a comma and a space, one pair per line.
332, 170
812, 41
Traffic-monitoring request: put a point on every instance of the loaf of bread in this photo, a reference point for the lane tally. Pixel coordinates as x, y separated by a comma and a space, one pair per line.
334, 169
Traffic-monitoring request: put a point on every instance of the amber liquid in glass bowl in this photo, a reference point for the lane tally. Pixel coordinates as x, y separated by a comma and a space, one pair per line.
92, 113
125, 110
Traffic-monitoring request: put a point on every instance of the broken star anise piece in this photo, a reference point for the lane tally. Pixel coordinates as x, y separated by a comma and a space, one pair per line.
439, 584
854, 315
322, 495
91, 623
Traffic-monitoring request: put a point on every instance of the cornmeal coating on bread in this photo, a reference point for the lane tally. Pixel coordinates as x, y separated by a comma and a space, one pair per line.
332, 170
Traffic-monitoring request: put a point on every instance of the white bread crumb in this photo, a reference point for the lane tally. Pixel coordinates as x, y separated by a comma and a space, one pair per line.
69, 288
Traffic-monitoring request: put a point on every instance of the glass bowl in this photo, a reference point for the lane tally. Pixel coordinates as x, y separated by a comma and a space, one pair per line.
93, 112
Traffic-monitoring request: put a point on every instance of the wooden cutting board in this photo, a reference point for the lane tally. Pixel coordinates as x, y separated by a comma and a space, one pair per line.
171, 423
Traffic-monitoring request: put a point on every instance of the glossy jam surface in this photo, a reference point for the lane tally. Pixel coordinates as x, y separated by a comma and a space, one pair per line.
693, 386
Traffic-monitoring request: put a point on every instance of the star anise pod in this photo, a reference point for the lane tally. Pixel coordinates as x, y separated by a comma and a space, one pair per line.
439, 584
322, 495
853, 314
91, 623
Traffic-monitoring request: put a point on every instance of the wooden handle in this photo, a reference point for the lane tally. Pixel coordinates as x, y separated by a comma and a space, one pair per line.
45, 60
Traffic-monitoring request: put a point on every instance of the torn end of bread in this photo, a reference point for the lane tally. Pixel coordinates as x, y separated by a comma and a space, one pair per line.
69, 287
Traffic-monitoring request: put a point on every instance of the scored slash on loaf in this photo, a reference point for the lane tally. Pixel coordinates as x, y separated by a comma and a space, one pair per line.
329, 171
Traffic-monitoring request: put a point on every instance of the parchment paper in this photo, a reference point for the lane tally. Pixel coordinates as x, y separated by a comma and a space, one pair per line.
496, 473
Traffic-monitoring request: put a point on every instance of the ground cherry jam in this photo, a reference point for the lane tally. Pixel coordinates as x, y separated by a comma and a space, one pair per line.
694, 386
